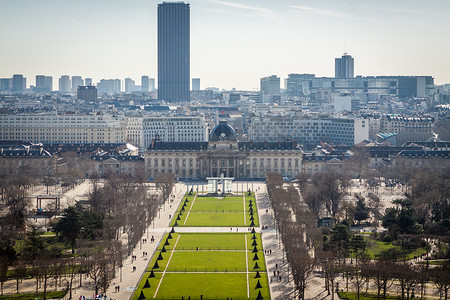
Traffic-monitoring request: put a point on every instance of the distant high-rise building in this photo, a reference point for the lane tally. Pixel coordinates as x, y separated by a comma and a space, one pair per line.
196, 84
294, 83
19, 83
5, 84
145, 84
87, 93
270, 85
173, 51
109, 86
64, 84
43, 83
129, 85
76, 82
151, 84
88, 81
344, 67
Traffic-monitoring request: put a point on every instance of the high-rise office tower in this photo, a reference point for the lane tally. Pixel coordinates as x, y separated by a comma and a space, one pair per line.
76, 82
88, 81
64, 84
151, 84
270, 85
109, 86
43, 83
145, 84
129, 85
173, 52
19, 83
344, 67
196, 84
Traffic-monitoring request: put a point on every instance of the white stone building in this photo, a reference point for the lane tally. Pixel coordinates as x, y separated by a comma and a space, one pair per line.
69, 128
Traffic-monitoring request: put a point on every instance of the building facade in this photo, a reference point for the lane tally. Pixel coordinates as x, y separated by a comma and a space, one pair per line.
196, 84
19, 83
174, 52
65, 84
344, 67
270, 85
43, 83
87, 93
109, 86
308, 131
62, 128
223, 154
76, 82
392, 86
145, 84
142, 131
408, 129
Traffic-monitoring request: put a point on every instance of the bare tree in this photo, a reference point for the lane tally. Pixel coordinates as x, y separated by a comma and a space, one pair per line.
302, 268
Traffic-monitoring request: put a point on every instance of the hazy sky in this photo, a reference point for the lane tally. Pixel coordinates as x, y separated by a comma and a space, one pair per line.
233, 43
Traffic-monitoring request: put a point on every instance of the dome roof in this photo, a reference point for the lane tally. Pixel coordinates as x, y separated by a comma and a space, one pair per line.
223, 132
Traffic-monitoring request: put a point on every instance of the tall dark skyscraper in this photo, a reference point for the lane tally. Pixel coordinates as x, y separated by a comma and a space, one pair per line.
173, 52
344, 66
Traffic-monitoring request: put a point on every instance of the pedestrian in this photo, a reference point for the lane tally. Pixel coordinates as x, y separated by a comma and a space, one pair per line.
170, 216
270, 251
278, 272
276, 266
118, 288
274, 273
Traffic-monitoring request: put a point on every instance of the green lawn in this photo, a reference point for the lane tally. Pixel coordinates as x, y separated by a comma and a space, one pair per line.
211, 241
199, 219
218, 206
207, 261
374, 248
186, 272
207, 211
219, 286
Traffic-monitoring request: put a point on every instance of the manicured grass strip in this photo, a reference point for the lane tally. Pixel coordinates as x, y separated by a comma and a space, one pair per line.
220, 283
207, 261
245, 208
211, 241
219, 286
189, 212
33, 296
162, 276
214, 219
217, 206
246, 265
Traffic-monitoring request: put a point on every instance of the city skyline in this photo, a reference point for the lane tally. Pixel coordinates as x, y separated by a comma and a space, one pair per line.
233, 44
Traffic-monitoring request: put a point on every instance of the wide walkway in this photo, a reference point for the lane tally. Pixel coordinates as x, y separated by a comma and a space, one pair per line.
278, 270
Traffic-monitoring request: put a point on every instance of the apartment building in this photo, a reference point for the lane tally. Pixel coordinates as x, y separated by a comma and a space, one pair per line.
142, 131
69, 128
308, 131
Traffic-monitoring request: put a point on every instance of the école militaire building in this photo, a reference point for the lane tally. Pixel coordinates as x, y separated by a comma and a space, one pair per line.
223, 153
